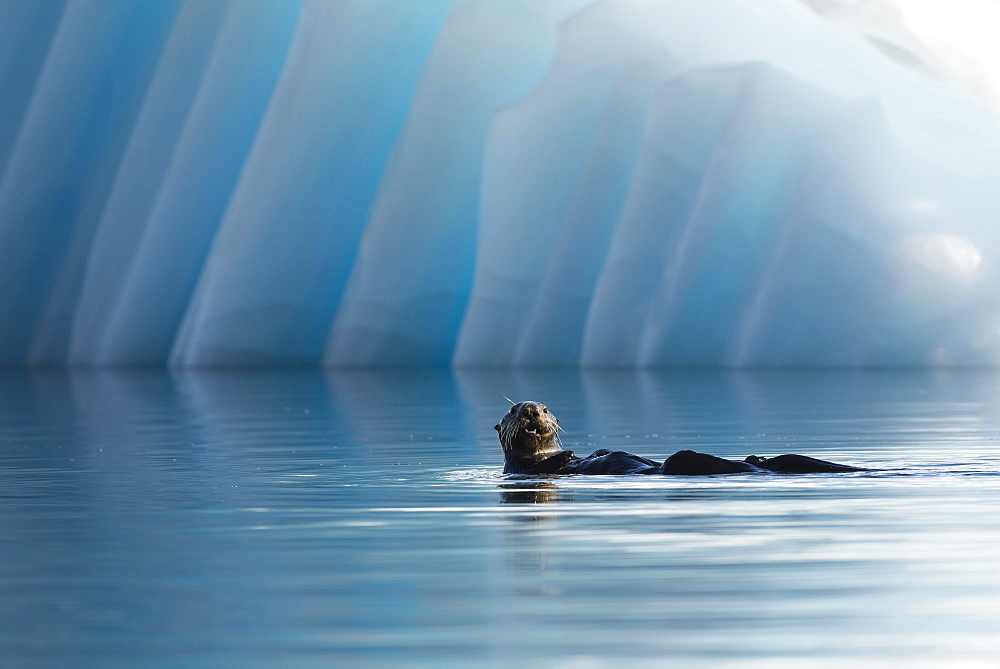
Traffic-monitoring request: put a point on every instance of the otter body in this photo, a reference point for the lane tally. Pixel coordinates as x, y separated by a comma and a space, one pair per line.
529, 437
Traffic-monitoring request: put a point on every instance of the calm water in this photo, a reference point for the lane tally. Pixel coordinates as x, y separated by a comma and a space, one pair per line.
361, 519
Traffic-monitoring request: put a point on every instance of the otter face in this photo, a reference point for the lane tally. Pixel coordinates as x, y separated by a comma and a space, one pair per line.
528, 429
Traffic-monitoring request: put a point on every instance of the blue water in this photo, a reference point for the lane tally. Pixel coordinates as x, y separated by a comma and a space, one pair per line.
361, 519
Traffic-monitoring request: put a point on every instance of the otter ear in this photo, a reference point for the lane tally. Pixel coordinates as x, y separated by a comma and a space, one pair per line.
496, 427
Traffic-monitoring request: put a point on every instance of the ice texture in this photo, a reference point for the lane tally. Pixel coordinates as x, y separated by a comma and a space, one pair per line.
617, 183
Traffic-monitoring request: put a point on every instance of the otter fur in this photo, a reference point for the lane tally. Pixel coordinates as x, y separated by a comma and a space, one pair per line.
529, 437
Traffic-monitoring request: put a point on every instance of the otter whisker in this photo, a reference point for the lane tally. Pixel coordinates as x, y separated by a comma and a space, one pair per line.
508, 432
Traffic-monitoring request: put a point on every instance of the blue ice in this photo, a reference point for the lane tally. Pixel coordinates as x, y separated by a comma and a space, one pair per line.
620, 183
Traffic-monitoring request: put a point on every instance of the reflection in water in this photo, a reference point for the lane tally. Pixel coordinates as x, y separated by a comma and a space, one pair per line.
528, 538
360, 518
529, 492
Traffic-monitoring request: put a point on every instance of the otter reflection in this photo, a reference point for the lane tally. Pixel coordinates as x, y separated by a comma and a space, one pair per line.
529, 492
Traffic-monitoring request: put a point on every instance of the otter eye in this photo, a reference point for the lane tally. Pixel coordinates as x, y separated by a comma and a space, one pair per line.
512, 409
545, 409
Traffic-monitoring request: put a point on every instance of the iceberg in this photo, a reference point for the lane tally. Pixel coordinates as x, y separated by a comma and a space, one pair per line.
603, 183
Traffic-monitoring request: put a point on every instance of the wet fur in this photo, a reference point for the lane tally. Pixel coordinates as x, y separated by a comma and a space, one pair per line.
529, 434
529, 437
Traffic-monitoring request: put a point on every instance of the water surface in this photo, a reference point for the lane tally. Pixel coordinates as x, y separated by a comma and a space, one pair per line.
361, 519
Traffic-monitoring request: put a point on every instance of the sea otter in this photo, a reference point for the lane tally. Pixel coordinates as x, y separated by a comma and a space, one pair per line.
529, 436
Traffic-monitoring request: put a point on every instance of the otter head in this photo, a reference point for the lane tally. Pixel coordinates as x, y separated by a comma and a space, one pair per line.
529, 433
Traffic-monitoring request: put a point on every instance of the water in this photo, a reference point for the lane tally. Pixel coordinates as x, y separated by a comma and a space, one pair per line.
361, 519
